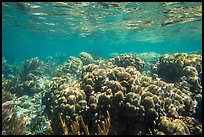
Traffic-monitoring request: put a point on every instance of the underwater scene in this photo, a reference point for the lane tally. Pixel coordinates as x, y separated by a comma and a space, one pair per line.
101, 68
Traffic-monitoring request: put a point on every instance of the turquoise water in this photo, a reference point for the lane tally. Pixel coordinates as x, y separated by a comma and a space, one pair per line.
26, 35
132, 60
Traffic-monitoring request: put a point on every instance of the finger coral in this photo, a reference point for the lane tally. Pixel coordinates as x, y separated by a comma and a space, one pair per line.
126, 60
137, 104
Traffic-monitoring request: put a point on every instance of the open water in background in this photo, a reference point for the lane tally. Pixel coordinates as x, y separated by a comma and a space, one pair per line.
37, 29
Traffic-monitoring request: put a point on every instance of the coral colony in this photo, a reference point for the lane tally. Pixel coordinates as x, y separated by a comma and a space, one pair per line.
128, 94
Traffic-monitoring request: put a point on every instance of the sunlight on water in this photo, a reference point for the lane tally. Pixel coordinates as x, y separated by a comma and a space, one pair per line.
152, 22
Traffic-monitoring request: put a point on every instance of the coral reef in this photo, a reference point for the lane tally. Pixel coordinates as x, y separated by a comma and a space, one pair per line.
175, 127
29, 87
63, 96
33, 111
32, 66
185, 70
135, 98
193, 125
73, 66
180, 126
86, 58
93, 79
149, 58
116, 96
12, 124
75, 127
9, 71
125, 60
171, 67
30, 81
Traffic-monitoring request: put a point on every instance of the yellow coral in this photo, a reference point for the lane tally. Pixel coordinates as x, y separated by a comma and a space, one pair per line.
75, 127
64, 126
105, 126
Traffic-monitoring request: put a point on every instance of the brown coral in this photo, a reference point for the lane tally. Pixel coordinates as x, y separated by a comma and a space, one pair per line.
11, 123
130, 97
86, 58
126, 60
72, 67
66, 97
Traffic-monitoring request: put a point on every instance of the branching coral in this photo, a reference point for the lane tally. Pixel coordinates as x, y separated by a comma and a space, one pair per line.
76, 126
64, 126
105, 126
65, 96
137, 103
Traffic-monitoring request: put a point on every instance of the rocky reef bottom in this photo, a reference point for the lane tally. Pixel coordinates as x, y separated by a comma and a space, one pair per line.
125, 94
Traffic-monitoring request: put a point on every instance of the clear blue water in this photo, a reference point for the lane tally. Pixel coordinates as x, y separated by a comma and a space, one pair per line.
26, 35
